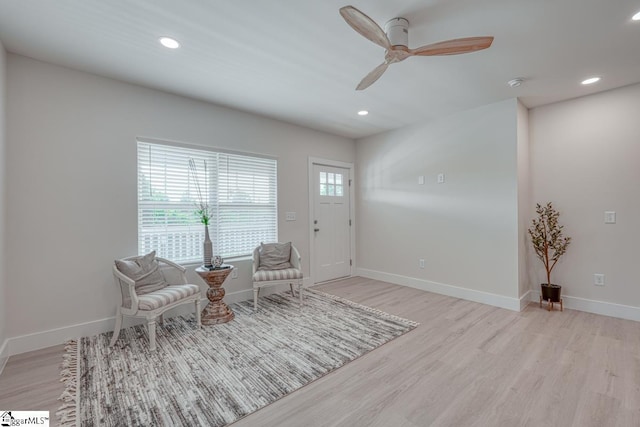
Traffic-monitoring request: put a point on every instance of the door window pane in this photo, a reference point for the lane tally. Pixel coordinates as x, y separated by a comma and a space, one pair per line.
331, 184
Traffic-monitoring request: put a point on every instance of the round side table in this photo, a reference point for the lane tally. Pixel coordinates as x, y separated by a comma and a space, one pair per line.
216, 311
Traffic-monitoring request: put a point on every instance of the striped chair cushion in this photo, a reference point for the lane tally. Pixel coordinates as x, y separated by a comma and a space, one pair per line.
284, 274
166, 296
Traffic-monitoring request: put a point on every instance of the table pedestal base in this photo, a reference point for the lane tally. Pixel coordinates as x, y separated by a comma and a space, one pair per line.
216, 311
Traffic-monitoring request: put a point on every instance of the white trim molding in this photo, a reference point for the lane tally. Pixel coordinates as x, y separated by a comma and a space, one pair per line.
440, 288
4, 355
51, 337
525, 300
247, 294
603, 308
352, 211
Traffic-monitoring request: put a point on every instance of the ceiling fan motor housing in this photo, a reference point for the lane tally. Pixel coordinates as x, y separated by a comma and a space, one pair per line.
397, 30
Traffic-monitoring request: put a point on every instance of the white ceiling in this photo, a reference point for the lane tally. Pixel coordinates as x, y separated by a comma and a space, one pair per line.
298, 61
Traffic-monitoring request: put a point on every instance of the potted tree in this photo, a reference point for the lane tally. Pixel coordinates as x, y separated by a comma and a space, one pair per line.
549, 245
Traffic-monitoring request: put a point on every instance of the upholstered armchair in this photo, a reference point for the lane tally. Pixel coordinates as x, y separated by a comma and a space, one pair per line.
149, 287
276, 264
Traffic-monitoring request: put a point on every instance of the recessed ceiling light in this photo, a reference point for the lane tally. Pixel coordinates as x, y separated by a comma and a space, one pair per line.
363, 112
169, 42
591, 80
636, 17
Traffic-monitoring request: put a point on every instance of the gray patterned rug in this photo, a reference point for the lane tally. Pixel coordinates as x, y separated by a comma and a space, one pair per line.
218, 374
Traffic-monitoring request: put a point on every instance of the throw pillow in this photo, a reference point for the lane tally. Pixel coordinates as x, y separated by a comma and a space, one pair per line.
144, 270
275, 256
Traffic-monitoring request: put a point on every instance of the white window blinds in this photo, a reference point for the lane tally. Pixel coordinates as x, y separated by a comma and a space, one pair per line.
240, 191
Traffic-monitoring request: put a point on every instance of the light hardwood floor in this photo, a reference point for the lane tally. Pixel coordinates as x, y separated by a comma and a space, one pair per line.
467, 364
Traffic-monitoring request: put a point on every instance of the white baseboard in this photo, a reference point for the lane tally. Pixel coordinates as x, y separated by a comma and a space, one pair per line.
502, 301
51, 337
247, 294
525, 299
4, 355
604, 308
233, 297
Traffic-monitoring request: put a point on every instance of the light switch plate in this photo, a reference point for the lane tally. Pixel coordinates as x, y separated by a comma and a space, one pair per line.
609, 217
421, 180
290, 216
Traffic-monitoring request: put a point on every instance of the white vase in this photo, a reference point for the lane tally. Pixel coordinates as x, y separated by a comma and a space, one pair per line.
208, 247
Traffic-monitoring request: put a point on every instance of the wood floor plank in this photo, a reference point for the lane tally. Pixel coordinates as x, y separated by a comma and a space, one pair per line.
467, 364
31, 381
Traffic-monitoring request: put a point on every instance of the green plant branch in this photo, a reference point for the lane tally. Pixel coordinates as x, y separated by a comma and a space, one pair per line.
201, 205
546, 237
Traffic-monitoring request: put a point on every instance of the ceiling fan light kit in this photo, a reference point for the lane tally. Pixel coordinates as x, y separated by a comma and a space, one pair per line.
397, 30
395, 40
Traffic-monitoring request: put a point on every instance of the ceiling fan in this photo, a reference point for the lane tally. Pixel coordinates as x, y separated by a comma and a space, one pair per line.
396, 39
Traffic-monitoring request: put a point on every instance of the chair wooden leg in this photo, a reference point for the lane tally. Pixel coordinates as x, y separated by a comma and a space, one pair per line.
161, 319
561, 305
151, 325
198, 317
540, 301
116, 330
255, 298
300, 293
292, 293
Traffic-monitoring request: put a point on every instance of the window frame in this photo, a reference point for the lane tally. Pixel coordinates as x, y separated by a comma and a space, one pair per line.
214, 225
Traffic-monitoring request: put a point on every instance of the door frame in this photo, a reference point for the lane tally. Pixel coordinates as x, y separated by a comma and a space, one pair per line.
352, 212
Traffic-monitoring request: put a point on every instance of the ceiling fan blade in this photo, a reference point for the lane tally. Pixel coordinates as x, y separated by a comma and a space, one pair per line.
374, 75
453, 47
365, 26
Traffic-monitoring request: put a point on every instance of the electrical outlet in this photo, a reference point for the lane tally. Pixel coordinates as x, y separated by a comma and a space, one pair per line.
421, 263
234, 273
598, 279
440, 178
290, 216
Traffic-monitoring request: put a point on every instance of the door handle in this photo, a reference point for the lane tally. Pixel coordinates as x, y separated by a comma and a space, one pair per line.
316, 229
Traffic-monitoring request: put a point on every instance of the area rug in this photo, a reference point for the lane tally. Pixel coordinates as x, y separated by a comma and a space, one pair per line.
218, 374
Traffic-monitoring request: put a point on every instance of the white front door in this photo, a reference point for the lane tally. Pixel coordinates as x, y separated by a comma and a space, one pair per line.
331, 223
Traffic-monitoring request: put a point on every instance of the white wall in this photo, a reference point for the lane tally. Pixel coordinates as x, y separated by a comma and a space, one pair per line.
3, 304
524, 199
72, 205
467, 228
585, 157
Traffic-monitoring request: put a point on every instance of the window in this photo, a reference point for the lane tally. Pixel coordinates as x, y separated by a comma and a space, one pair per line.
239, 189
331, 184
